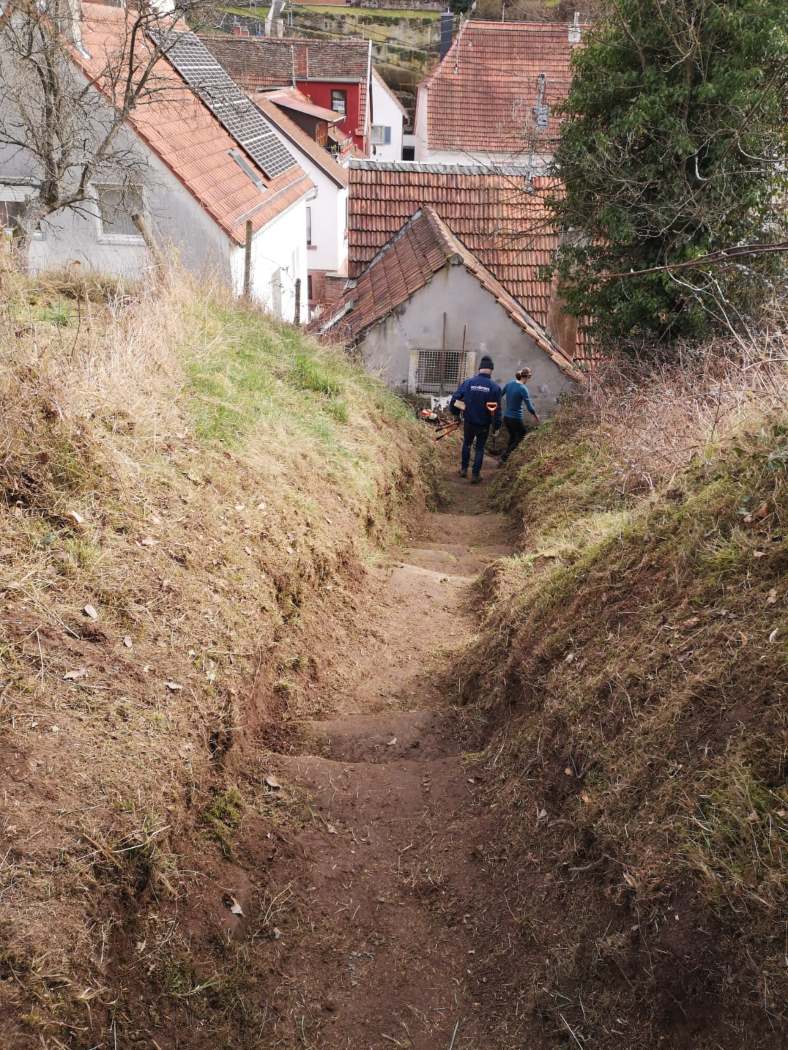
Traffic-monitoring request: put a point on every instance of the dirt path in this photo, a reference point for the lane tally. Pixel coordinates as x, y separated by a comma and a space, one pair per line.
385, 889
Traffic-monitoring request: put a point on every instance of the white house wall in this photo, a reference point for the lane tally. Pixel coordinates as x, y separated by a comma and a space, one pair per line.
279, 248
386, 112
329, 214
418, 325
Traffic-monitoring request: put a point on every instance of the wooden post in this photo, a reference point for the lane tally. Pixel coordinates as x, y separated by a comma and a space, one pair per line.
248, 260
150, 244
442, 360
297, 319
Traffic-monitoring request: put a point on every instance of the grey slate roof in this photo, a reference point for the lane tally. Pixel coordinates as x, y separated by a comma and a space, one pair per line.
243, 120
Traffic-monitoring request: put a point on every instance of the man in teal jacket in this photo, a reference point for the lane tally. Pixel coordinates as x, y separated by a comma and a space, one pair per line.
516, 394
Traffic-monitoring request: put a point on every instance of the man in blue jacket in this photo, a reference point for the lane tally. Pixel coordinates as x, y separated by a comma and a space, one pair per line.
517, 398
482, 400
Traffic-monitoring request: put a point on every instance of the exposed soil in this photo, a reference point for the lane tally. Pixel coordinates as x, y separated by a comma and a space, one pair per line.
387, 887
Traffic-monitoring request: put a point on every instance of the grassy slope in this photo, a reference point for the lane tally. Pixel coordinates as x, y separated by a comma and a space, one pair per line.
211, 483
634, 660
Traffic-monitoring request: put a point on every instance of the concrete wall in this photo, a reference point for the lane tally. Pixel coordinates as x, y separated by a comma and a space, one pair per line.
386, 113
388, 347
176, 220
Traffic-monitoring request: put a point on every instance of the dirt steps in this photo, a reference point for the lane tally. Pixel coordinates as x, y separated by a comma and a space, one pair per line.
386, 874
418, 735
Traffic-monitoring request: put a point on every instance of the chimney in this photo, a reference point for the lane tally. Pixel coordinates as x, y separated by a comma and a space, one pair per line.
447, 30
574, 29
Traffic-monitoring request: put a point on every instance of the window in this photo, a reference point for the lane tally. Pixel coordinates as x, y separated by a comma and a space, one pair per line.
381, 135
309, 287
10, 214
309, 226
339, 101
440, 371
117, 205
14, 202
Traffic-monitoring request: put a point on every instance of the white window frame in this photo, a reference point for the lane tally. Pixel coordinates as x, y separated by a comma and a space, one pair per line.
309, 242
116, 238
344, 94
14, 194
381, 134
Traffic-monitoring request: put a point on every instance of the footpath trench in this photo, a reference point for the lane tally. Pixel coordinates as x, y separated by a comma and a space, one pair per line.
389, 888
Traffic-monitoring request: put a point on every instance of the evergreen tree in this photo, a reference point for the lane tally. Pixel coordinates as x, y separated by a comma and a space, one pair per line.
672, 147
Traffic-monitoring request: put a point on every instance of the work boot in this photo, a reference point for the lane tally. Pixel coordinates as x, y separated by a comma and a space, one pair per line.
463, 473
476, 479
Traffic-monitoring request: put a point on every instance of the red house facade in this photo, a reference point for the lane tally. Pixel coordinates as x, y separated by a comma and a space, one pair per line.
333, 74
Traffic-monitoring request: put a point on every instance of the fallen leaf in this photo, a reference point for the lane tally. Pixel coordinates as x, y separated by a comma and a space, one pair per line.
391, 742
774, 634
692, 622
569, 657
248, 550
541, 814
128, 642
75, 517
761, 512
272, 782
148, 541
331, 829
568, 772
753, 817
771, 597
173, 687
91, 612
233, 904
73, 676
276, 933
759, 554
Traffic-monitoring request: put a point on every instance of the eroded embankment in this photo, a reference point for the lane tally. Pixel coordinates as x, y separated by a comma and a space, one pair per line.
189, 497
633, 661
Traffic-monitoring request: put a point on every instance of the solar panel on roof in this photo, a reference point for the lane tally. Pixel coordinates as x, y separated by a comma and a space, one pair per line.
227, 102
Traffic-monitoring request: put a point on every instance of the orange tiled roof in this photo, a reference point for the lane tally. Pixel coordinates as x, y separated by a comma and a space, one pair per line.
507, 228
186, 136
269, 62
423, 246
316, 153
292, 98
481, 97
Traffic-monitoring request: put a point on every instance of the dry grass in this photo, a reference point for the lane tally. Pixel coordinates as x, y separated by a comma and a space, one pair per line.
633, 661
195, 473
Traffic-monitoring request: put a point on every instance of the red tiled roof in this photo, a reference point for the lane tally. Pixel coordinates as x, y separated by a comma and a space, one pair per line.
481, 97
269, 62
316, 153
186, 136
507, 228
420, 249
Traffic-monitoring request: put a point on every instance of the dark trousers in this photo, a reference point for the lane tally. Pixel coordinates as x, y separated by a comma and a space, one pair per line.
479, 434
516, 430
